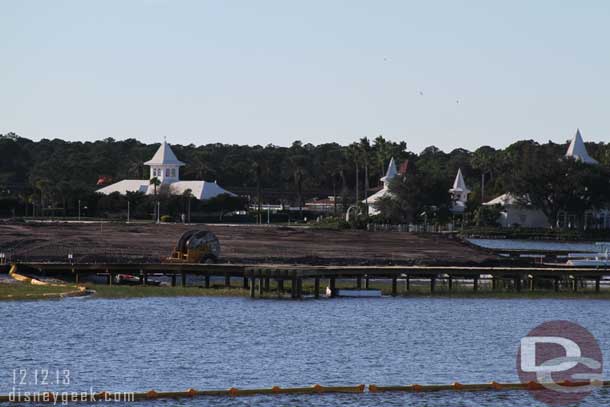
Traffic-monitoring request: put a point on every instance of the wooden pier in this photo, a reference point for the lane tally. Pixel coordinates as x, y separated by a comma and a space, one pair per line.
258, 277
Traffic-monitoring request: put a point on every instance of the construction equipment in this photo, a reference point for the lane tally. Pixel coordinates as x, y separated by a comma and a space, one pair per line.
196, 246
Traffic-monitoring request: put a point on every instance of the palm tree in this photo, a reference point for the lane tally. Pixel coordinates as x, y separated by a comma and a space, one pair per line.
484, 160
381, 153
354, 155
41, 185
155, 182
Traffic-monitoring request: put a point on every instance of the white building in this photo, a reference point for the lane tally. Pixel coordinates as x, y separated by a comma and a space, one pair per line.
459, 193
166, 168
514, 212
518, 212
371, 200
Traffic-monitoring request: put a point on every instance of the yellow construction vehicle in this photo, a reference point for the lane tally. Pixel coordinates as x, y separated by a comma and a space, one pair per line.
196, 246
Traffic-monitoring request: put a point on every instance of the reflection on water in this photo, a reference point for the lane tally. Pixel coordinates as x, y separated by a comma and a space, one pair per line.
206, 342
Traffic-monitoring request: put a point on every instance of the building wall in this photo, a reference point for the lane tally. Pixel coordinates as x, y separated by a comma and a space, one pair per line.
529, 218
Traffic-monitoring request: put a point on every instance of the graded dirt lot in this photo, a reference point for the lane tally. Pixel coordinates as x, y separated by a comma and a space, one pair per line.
114, 242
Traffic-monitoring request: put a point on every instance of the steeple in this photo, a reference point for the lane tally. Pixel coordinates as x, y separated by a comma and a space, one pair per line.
578, 151
390, 173
164, 165
459, 185
459, 193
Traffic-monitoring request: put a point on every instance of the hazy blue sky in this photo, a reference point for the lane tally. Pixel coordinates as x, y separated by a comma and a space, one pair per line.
259, 72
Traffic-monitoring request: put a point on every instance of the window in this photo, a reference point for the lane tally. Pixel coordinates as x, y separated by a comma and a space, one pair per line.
167, 172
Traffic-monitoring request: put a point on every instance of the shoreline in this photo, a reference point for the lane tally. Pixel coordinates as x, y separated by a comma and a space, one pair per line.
25, 292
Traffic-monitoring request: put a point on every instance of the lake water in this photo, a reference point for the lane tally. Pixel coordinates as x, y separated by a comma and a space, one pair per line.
207, 342
516, 244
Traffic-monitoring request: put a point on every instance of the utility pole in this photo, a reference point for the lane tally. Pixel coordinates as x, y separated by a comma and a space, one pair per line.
366, 189
79, 210
483, 187
128, 208
158, 212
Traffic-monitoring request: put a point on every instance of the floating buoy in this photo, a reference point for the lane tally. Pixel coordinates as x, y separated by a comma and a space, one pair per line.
495, 386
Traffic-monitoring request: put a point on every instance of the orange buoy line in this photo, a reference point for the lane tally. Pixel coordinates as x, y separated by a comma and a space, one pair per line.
53, 397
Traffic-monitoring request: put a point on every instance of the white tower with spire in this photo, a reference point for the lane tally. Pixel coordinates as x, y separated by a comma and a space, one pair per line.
164, 165
391, 173
459, 193
578, 151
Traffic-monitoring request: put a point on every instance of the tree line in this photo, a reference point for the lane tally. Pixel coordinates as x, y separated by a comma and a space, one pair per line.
38, 176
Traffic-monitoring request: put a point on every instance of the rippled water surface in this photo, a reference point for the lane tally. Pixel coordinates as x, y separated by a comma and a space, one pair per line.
207, 342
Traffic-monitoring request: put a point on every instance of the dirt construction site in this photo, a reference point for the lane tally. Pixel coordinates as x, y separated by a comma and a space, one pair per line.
152, 243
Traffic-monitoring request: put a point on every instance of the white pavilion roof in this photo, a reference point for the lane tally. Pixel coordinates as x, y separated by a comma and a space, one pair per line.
126, 185
578, 151
200, 189
508, 199
164, 156
377, 195
459, 185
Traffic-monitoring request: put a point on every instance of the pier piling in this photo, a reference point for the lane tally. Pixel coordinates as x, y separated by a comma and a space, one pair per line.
252, 287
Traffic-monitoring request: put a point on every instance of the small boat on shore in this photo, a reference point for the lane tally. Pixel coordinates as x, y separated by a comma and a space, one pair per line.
353, 293
129, 279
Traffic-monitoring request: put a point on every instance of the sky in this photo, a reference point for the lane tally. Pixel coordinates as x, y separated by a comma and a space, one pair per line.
446, 73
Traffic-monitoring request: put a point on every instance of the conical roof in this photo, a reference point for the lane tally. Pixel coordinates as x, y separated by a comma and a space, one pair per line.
164, 156
391, 172
459, 185
578, 151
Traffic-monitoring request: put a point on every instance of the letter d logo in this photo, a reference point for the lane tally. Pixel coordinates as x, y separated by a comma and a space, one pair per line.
528, 353
562, 356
